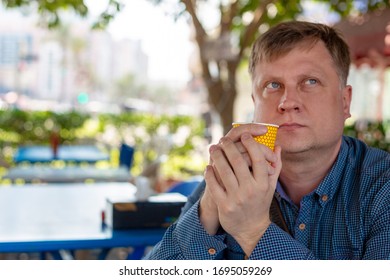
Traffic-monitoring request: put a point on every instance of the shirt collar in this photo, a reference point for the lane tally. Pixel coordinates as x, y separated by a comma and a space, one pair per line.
329, 185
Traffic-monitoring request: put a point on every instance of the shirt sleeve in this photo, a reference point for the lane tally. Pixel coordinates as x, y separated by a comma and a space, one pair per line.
187, 240
377, 246
276, 244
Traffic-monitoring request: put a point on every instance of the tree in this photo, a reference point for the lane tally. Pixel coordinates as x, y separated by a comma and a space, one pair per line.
50, 10
223, 47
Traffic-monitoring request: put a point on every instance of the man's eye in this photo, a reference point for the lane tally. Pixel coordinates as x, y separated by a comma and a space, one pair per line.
273, 85
311, 82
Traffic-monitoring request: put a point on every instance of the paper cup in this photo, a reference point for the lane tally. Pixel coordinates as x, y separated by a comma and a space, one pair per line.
267, 139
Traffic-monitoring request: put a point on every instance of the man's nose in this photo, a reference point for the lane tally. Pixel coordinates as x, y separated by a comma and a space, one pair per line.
290, 101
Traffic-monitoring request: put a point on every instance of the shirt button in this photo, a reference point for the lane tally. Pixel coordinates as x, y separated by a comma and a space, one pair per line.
324, 198
212, 251
302, 226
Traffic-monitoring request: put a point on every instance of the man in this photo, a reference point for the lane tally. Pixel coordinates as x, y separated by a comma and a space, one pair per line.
333, 191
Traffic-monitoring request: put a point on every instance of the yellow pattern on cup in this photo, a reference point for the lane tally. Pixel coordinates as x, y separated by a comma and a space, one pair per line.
267, 139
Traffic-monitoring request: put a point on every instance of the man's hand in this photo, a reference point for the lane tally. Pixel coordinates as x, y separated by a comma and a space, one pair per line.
241, 183
208, 212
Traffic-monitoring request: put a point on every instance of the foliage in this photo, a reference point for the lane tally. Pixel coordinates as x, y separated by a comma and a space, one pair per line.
176, 138
240, 21
346, 7
373, 133
36, 127
49, 10
153, 136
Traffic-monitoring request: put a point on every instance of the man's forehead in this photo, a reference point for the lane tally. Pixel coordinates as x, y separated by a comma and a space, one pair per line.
297, 70
279, 52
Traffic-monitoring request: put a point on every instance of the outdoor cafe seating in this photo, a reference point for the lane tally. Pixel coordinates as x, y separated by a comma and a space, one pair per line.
55, 219
67, 153
68, 164
55, 210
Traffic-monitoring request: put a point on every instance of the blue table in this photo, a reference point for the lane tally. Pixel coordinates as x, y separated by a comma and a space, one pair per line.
67, 174
71, 153
51, 218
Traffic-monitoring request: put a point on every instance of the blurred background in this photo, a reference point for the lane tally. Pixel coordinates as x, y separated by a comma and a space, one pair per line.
167, 77
95, 94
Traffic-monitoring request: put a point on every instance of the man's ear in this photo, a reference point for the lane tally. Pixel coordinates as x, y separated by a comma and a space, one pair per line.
347, 99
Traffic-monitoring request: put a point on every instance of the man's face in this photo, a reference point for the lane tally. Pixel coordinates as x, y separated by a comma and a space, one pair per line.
302, 93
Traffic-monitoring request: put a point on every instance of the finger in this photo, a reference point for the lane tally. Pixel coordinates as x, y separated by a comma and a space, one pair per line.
253, 129
223, 168
240, 147
271, 170
210, 160
244, 153
217, 191
269, 155
247, 159
236, 160
211, 163
275, 167
278, 164
219, 180
261, 156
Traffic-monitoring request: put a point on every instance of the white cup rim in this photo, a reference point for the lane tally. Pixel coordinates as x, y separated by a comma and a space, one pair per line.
266, 124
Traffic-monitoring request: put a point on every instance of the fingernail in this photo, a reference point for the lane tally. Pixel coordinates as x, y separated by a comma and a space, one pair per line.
213, 148
263, 128
260, 128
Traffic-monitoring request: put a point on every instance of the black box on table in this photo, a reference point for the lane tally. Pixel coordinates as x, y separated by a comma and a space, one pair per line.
159, 211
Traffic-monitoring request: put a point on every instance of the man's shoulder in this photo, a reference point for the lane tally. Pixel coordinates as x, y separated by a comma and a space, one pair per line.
366, 159
368, 174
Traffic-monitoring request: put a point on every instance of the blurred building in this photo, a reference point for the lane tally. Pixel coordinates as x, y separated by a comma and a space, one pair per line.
64, 64
129, 58
368, 37
50, 72
17, 57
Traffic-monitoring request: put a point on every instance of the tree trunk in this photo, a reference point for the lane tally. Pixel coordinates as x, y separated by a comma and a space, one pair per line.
221, 97
221, 86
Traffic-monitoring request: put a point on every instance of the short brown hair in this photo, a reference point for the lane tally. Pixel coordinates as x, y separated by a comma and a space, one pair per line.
282, 38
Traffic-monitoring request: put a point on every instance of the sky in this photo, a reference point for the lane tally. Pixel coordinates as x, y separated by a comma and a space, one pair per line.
166, 42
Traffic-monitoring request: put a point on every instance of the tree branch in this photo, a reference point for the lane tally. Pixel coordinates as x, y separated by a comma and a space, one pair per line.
227, 20
251, 29
200, 31
200, 38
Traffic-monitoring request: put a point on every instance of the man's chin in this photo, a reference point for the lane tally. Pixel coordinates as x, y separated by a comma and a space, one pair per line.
297, 149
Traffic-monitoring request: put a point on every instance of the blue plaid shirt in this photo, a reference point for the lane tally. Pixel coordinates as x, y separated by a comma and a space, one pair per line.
346, 217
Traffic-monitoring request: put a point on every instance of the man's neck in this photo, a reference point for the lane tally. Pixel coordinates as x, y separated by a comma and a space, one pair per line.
301, 174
